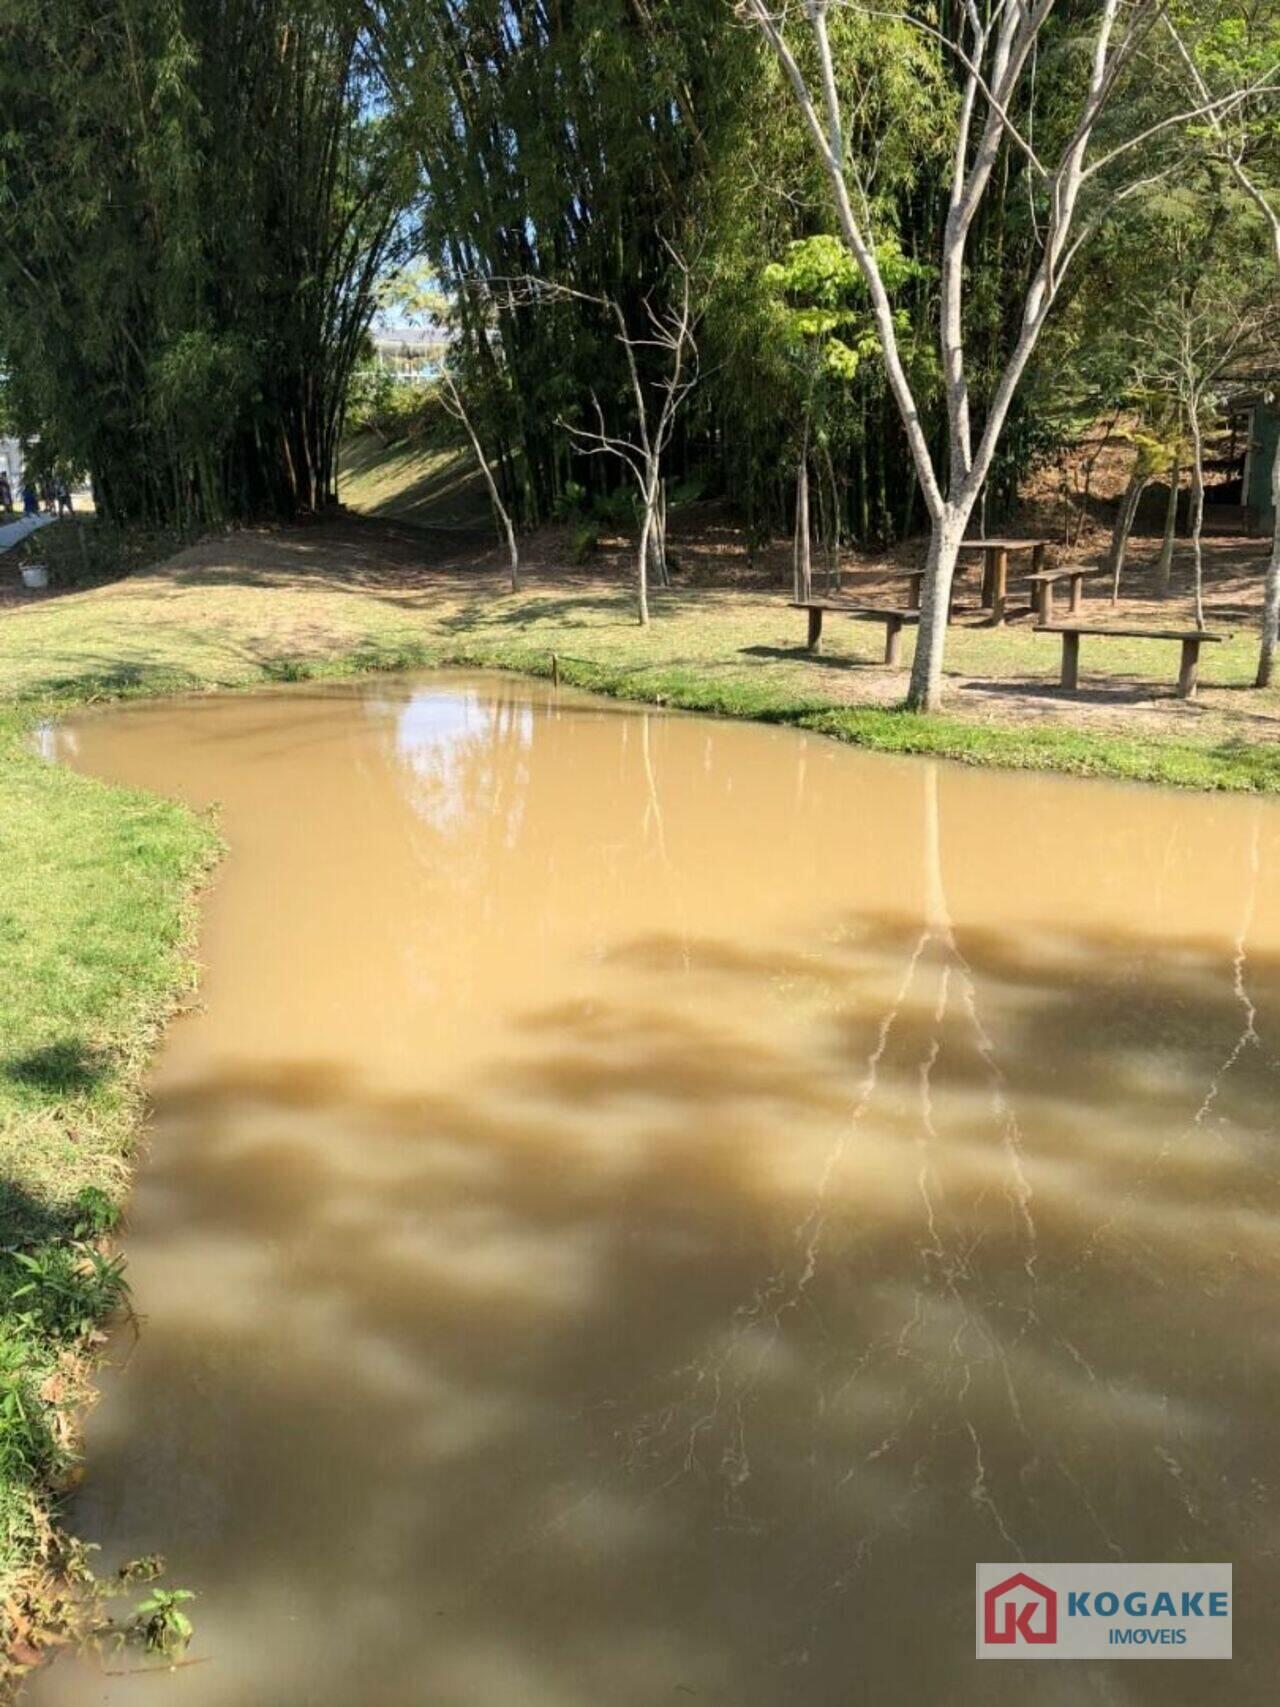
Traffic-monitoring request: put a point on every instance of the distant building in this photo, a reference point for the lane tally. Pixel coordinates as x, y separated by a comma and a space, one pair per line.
11, 461
410, 352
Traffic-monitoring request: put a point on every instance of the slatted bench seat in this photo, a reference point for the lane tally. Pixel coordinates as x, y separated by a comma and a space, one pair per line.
1044, 583
894, 621
1190, 639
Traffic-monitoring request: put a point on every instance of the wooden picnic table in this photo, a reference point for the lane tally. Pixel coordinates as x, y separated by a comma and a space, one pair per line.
995, 567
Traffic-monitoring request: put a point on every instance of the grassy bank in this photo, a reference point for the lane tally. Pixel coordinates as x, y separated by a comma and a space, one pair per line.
96, 915
98, 886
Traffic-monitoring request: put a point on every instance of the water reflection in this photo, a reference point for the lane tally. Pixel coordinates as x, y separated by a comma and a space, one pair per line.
649, 1204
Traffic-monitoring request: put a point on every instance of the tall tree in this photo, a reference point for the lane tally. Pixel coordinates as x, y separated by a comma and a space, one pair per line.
195, 203
1095, 154
1213, 47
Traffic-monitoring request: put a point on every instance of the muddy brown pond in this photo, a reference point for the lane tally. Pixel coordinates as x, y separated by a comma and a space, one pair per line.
647, 1204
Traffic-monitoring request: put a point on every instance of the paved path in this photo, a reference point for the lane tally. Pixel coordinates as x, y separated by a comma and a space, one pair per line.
12, 532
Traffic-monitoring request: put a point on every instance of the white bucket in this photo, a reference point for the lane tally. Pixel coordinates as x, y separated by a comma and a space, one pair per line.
35, 575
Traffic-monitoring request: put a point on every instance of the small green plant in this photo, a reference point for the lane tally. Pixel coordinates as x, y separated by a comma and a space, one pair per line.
160, 1623
570, 503
585, 543
95, 1213
27, 1448
62, 1291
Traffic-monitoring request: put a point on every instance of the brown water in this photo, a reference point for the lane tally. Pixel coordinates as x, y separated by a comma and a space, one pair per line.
648, 1203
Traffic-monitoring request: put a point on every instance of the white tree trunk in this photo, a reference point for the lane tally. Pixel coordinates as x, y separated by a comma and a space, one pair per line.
453, 399
804, 555
642, 557
658, 539
1197, 507
1271, 597
1164, 567
925, 690
1123, 528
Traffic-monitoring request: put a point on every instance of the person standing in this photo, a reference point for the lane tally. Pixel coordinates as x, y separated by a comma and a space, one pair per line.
63, 494
6, 492
30, 499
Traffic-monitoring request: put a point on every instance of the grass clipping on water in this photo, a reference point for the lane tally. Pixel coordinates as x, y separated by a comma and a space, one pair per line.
97, 890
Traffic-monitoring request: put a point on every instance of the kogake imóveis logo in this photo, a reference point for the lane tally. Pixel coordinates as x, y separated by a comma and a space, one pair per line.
1019, 1609
1112, 1611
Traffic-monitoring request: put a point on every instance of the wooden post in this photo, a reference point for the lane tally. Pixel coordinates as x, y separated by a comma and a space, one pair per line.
893, 640
1189, 674
913, 590
1071, 660
1000, 584
815, 628
1077, 593
1037, 557
988, 577
1044, 600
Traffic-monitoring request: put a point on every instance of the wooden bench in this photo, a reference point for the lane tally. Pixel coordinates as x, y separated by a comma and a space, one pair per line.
1045, 581
1191, 640
894, 621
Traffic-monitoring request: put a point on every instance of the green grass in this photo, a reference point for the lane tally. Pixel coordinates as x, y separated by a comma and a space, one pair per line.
96, 912
408, 480
98, 885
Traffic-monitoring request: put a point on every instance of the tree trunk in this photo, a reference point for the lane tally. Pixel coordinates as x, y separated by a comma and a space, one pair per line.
1164, 567
1271, 597
1197, 507
658, 538
945, 535
1123, 528
642, 563
803, 556
459, 409
833, 572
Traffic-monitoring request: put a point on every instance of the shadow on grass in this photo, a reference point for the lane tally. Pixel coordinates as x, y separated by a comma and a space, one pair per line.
800, 654
69, 1067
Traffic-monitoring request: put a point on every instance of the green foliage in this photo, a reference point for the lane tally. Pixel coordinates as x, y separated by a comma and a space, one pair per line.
818, 303
585, 543
161, 1624
195, 203
394, 408
60, 1291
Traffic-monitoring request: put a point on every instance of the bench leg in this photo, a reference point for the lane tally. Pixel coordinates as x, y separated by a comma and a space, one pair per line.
893, 640
1037, 558
1071, 661
1044, 600
1077, 594
913, 593
815, 630
1189, 674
